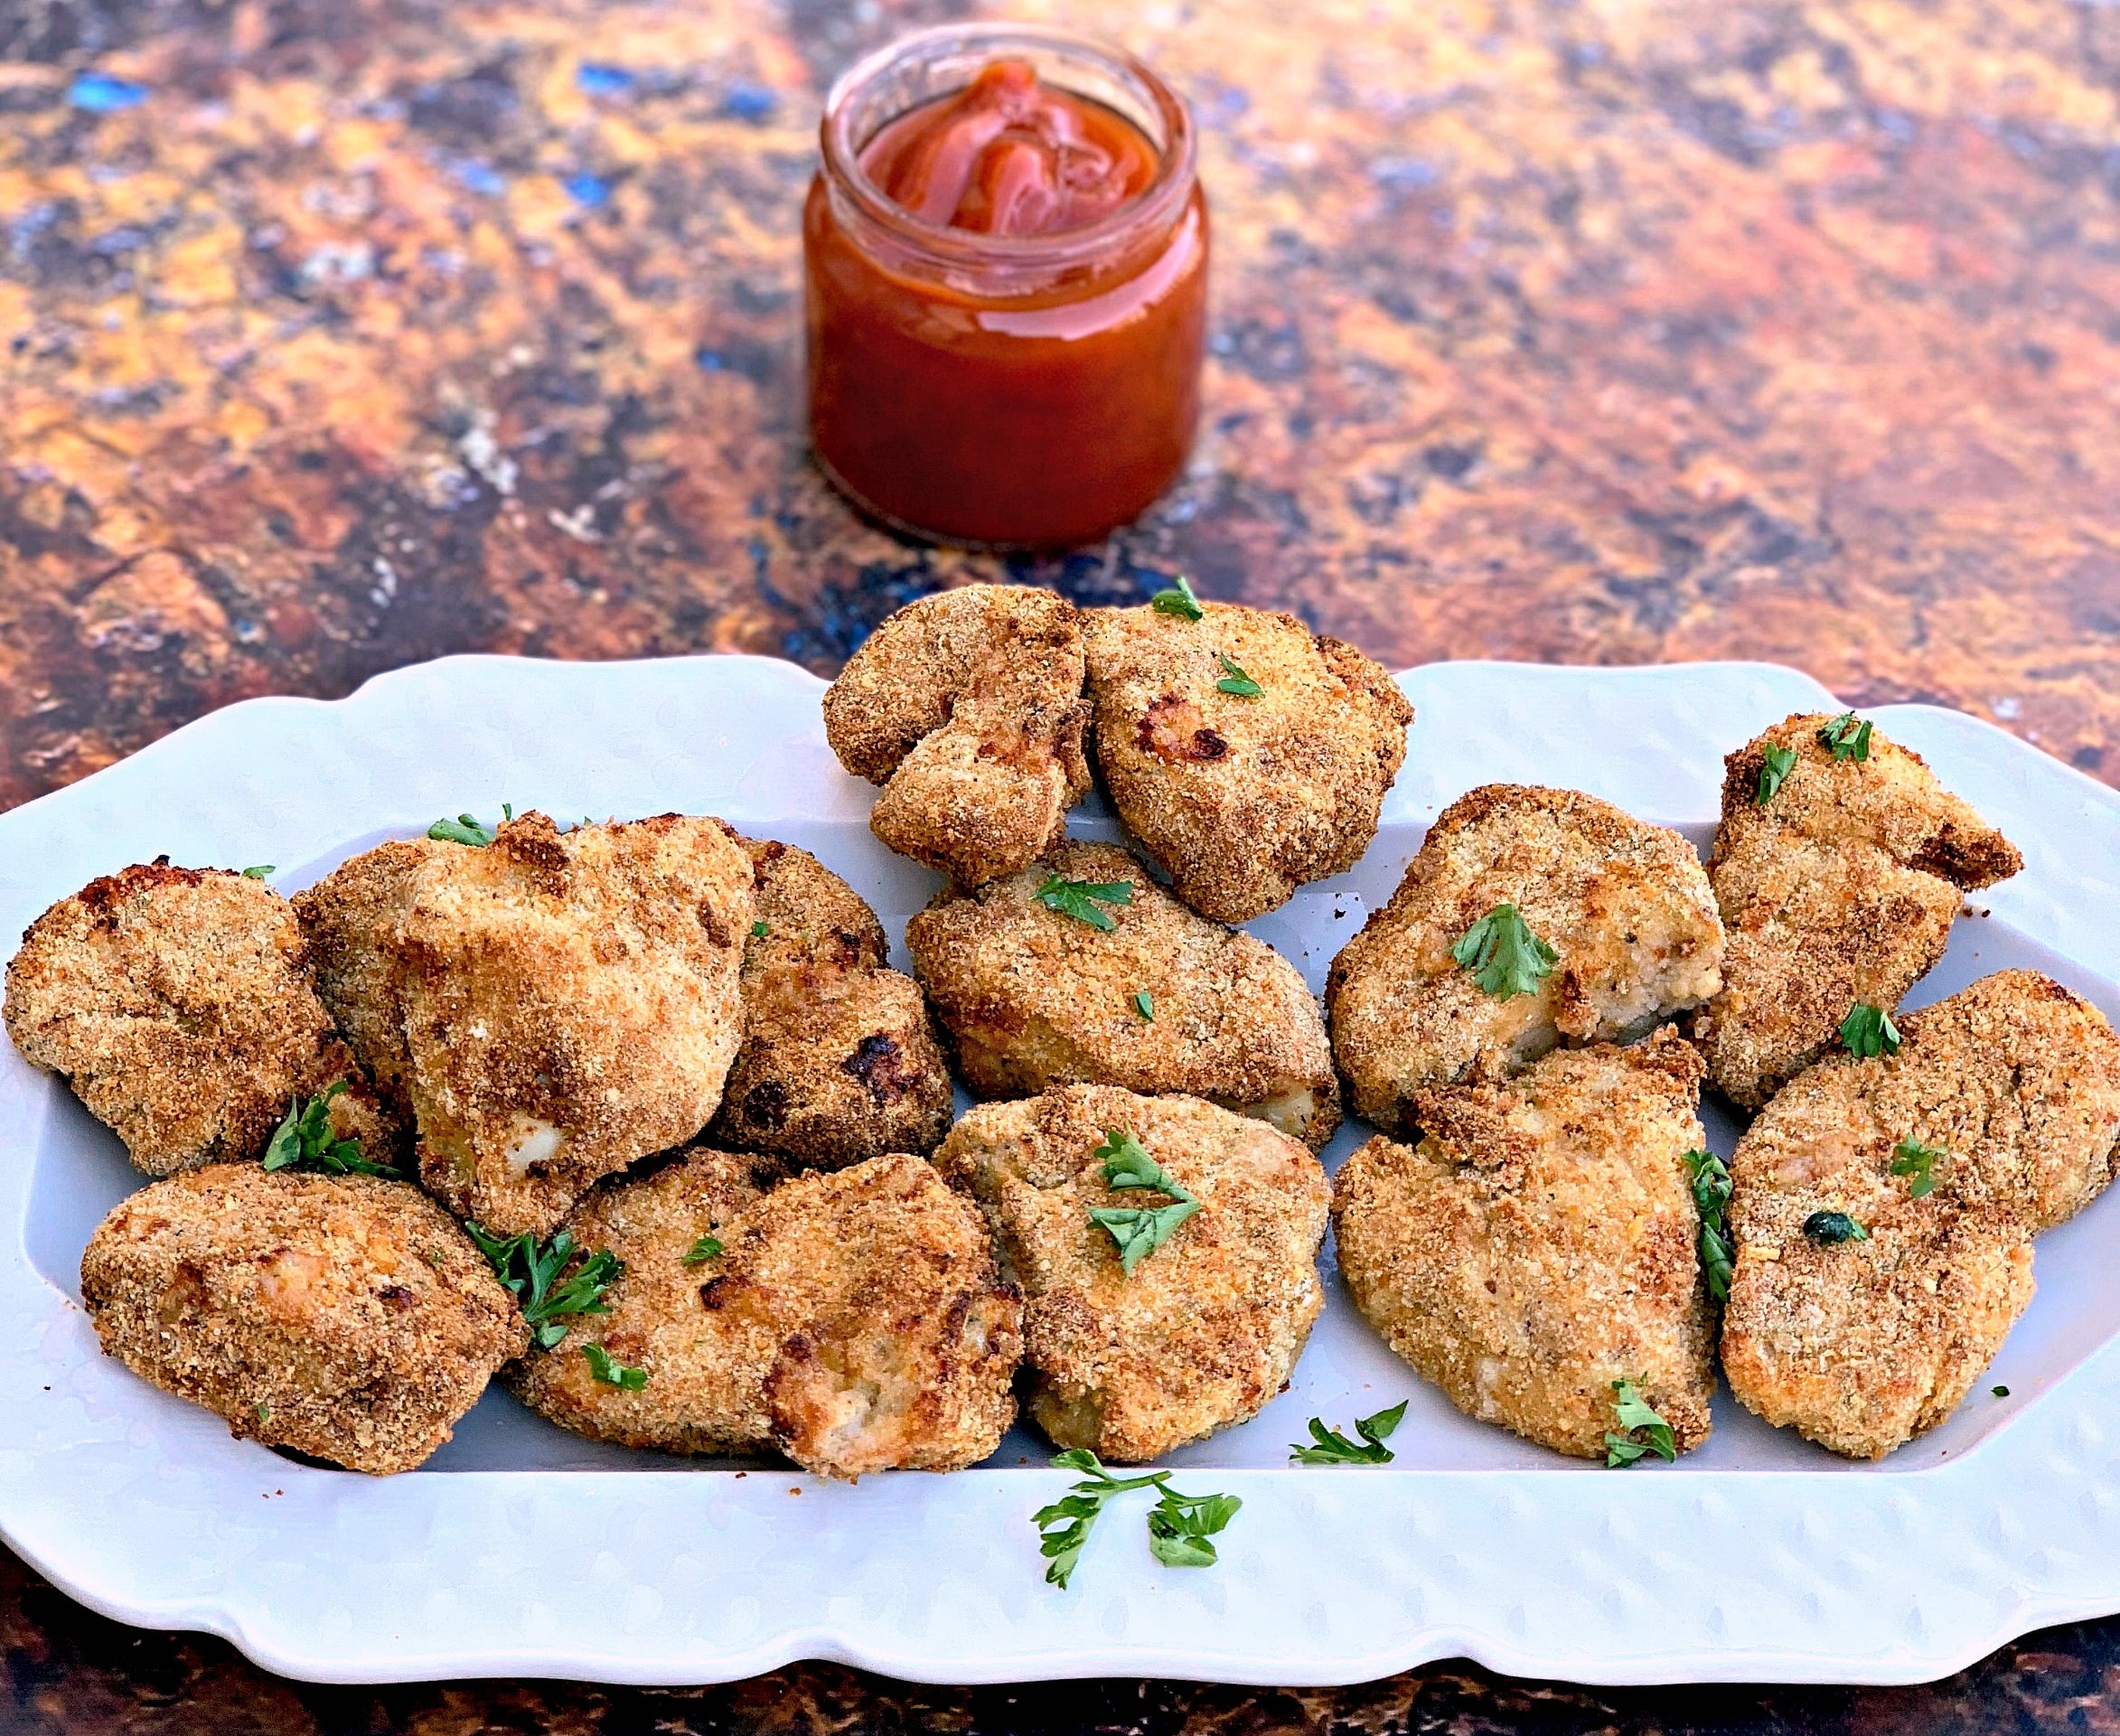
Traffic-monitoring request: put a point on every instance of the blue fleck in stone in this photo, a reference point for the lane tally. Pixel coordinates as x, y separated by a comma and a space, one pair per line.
480, 177
600, 78
750, 102
100, 94
587, 189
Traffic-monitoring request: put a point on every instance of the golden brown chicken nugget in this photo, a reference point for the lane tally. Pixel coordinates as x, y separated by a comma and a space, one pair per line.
853, 1320
1242, 795
967, 706
1882, 1209
840, 1061
1539, 1244
173, 1002
1207, 1326
1623, 907
556, 1006
1161, 1001
343, 1317
1839, 888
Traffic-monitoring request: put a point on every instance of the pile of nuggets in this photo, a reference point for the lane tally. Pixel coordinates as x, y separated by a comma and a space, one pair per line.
638, 1117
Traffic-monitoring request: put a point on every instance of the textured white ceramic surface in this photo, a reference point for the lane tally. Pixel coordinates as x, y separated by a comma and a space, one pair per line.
522, 1553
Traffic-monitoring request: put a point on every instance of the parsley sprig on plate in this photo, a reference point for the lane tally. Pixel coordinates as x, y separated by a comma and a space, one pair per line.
304, 1140
1711, 1183
1846, 737
1139, 1230
530, 1272
1330, 1446
1504, 955
1912, 1158
1180, 1526
1177, 598
468, 829
1868, 1031
1634, 1417
1084, 899
1779, 763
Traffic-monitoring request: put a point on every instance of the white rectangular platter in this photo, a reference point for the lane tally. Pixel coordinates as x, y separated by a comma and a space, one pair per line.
523, 1551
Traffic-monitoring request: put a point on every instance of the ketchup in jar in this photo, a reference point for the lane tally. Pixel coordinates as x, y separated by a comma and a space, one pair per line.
1006, 272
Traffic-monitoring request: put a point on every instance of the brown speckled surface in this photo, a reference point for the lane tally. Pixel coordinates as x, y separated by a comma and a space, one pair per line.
340, 333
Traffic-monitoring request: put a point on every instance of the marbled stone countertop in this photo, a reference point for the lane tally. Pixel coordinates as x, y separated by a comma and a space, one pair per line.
340, 333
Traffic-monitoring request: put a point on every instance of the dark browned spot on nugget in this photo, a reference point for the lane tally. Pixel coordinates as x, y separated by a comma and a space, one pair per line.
1173, 729
396, 1296
716, 1292
765, 1104
881, 1065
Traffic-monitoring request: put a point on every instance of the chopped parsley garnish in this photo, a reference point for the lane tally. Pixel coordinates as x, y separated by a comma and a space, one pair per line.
259, 871
1177, 598
1144, 1003
1505, 956
2000, 1392
1845, 738
1631, 1411
760, 930
1711, 1180
706, 1248
1779, 763
1868, 1031
304, 1141
1235, 681
467, 829
1179, 1525
1139, 1230
1083, 899
529, 1271
1330, 1446
1830, 1229
610, 1371
1912, 1158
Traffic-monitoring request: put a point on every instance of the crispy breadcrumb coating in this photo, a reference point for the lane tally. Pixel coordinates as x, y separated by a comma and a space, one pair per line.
1626, 906
554, 1006
343, 1317
1862, 1344
1208, 1327
967, 706
853, 1320
1242, 800
1540, 1242
1840, 890
1034, 998
840, 1061
173, 1002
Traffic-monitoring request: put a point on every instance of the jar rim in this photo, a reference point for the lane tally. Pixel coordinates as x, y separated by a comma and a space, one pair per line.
1166, 195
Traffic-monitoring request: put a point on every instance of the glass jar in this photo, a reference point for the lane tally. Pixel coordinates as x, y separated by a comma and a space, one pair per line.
1003, 391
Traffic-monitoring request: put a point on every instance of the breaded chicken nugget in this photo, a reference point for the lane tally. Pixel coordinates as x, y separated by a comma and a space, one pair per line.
172, 1000
1159, 1002
1840, 888
1624, 908
1242, 795
1208, 1326
1882, 1209
854, 1321
346, 1317
554, 1006
840, 1061
1539, 1244
967, 706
